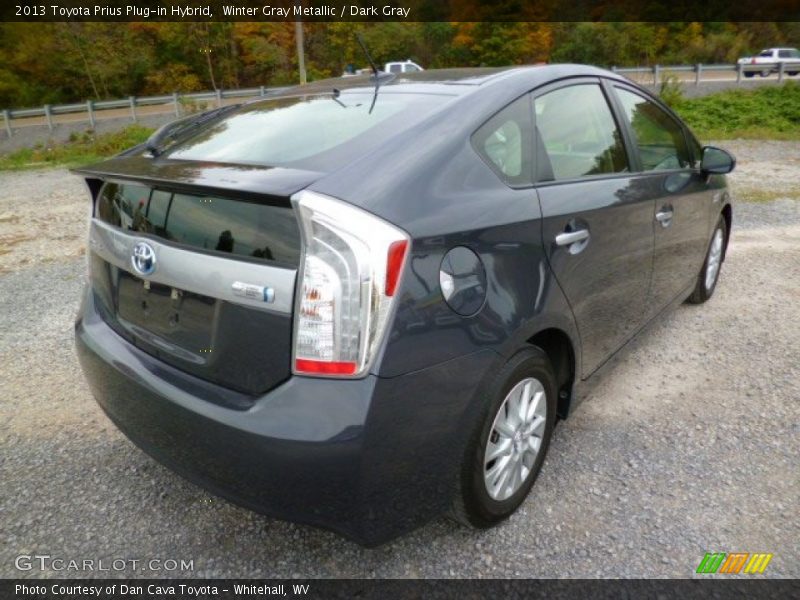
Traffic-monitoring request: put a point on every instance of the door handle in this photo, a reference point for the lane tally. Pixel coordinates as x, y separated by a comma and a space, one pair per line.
664, 216
570, 237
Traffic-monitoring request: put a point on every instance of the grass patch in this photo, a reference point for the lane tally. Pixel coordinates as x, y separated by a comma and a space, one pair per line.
760, 195
768, 112
79, 149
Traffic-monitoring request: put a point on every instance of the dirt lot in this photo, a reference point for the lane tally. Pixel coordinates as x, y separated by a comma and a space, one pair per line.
688, 443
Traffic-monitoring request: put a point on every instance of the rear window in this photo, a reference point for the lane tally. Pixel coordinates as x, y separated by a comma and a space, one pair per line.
311, 132
257, 231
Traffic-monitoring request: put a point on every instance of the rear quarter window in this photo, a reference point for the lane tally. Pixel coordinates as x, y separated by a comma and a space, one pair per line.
505, 142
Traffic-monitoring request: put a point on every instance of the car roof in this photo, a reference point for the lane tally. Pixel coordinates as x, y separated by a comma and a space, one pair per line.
437, 81
457, 81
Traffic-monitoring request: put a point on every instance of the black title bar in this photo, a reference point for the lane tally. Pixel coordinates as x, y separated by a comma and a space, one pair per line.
247, 589
399, 10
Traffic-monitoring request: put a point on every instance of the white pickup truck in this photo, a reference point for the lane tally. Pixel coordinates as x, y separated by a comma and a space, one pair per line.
406, 66
768, 61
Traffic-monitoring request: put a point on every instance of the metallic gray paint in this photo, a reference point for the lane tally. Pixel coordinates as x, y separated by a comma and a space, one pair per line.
350, 450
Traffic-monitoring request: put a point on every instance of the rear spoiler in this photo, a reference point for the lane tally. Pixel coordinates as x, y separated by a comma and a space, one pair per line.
267, 185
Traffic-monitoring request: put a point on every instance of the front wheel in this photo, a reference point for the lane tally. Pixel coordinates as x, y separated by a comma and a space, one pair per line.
507, 448
765, 73
749, 74
709, 274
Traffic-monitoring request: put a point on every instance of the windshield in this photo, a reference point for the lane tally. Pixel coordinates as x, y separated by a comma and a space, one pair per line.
310, 132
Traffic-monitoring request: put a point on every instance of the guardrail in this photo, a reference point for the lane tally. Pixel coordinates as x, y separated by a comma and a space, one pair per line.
91, 107
740, 69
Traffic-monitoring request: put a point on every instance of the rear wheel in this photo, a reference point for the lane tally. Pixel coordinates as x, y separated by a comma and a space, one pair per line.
765, 73
792, 73
507, 448
709, 274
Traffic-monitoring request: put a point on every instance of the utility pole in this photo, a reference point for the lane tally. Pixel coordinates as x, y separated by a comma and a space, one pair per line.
301, 58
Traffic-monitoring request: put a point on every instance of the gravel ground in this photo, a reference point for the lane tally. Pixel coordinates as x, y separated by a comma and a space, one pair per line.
688, 443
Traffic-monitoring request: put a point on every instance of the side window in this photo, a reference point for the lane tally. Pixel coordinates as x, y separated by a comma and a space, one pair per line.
395, 68
784, 54
660, 139
505, 143
577, 134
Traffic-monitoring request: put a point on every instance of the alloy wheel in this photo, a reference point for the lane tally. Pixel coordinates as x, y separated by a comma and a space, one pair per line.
714, 260
515, 439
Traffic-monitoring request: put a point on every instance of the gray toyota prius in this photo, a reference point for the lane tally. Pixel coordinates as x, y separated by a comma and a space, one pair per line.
364, 302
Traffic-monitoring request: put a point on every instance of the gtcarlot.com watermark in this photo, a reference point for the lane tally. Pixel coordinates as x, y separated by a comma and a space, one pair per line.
46, 562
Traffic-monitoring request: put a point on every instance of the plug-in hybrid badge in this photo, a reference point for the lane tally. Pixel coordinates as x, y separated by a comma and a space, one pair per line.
254, 292
143, 258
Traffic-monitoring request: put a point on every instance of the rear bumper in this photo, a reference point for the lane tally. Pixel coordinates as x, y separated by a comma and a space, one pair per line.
369, 458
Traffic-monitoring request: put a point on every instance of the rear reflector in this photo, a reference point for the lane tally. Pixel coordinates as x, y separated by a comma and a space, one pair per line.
394, 265
302, 365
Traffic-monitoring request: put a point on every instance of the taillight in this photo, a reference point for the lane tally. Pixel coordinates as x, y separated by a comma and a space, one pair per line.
349, 274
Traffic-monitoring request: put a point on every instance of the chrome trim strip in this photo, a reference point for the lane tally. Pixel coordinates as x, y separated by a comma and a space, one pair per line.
195, 272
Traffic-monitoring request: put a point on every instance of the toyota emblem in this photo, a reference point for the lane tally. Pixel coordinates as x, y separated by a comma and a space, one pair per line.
143, 258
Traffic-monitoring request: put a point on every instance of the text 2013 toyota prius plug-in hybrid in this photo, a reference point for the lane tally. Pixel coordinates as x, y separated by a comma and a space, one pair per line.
365, 302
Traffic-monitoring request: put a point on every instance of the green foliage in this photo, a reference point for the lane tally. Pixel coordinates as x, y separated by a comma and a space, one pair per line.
768, 112
81, 148
671, 89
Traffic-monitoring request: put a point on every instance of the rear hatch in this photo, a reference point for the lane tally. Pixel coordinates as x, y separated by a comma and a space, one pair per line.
209, 202
200, 277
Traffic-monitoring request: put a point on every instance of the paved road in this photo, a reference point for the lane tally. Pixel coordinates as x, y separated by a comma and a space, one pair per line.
689, 443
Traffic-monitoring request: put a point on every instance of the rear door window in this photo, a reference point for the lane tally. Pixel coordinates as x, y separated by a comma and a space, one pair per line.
659, 138
576, 134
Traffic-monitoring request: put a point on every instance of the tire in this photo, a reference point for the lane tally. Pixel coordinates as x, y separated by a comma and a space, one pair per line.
749, 74
791, 73
706, 283
474, 504
765, 73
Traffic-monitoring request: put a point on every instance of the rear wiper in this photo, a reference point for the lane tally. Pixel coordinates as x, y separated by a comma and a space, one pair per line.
169, 132
377, 74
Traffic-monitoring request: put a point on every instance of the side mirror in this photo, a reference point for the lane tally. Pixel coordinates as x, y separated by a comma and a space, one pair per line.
717, 161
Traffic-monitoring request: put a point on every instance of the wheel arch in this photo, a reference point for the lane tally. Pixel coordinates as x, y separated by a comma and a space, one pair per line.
727, 214
559, 347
